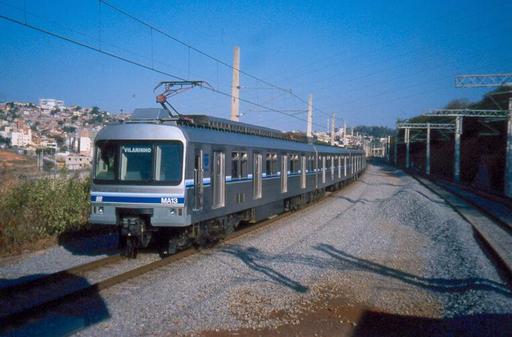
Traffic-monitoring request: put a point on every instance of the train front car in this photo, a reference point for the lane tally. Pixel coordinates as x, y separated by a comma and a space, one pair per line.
138, 179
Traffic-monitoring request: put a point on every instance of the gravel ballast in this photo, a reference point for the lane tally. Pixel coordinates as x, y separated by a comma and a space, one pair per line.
384, 242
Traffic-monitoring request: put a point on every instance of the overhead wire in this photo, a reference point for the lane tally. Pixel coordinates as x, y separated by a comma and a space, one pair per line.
139, 64
203, 53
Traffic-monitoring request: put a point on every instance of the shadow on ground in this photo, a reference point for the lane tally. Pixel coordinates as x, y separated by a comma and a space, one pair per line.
374, 323
90, 244
434, 284
252, 258
54, 320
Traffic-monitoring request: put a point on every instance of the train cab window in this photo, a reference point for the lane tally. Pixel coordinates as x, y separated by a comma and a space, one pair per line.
105, 162
239, 165
136, 162
271, 164
167, 157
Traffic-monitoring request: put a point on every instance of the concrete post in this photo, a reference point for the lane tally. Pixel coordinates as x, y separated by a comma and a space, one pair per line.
309, 131
388, 148
235, 86
456, 164
427, 152
407, 146
344, 166
395, 149
333, 125
508, 160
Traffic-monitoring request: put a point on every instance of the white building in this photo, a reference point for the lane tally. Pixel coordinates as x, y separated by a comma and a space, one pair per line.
77, 162
49, 104
84, 143
85, 146
21, 138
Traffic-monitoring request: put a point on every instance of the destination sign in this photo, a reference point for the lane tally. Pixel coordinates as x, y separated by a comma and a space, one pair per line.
136, 149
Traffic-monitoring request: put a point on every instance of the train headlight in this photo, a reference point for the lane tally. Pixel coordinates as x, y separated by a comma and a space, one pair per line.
100, 210
172, 211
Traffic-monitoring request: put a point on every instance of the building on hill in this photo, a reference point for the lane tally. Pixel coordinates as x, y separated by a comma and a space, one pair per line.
49, 104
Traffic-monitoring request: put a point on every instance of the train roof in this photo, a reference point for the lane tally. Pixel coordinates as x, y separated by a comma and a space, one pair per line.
211, 130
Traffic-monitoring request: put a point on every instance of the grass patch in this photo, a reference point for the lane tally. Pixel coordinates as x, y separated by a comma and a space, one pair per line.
39, 210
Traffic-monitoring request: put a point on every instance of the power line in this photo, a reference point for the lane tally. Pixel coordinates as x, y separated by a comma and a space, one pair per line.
138, 64
199, 51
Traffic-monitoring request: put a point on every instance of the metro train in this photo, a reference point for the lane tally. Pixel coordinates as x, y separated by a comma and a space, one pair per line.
195, 178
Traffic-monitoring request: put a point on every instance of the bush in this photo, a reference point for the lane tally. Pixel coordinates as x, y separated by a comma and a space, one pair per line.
33, 210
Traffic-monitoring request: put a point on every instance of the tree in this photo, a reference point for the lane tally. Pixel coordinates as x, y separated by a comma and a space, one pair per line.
458, 103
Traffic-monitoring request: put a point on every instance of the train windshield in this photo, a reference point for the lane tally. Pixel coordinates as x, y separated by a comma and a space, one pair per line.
157, 163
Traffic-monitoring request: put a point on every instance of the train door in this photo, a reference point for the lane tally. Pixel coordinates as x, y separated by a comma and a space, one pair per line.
198, 180
219, 179
284, 174
339, 167
332, 166
256, 177
316, 166
323, 169
303, 172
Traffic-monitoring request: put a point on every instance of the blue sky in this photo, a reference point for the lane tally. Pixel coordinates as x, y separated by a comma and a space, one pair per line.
370, 62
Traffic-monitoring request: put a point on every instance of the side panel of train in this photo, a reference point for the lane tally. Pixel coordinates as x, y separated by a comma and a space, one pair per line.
256, 182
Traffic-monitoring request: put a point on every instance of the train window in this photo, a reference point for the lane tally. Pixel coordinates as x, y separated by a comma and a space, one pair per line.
105, 162
271, 164
167, 157
293, 163
137, 162
239, 165
311, 164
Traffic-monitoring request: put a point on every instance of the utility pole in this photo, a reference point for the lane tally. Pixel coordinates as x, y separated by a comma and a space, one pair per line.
235, 86
332, 128
428, 127
488, 81
395, 149
345, 133
388, 148
427, 152
456, 164
309, 132
407, 145
508, 154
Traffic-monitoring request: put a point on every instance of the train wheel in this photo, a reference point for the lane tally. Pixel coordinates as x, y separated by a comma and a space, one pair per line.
130, 250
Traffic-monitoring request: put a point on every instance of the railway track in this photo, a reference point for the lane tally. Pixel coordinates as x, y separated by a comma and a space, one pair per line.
17, 318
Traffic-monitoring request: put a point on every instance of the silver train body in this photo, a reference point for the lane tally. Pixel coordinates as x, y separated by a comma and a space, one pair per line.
190, 182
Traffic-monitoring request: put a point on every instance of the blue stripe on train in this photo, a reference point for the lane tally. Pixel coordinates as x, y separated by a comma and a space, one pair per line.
137, 200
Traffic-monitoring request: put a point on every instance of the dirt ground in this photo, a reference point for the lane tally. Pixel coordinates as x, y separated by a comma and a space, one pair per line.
13, 165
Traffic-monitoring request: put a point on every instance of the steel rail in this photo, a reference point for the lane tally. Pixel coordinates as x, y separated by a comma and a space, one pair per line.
16, 319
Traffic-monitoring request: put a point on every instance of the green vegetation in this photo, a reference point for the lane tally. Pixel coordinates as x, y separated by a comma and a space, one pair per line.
41, 209
375, 131
494, 100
